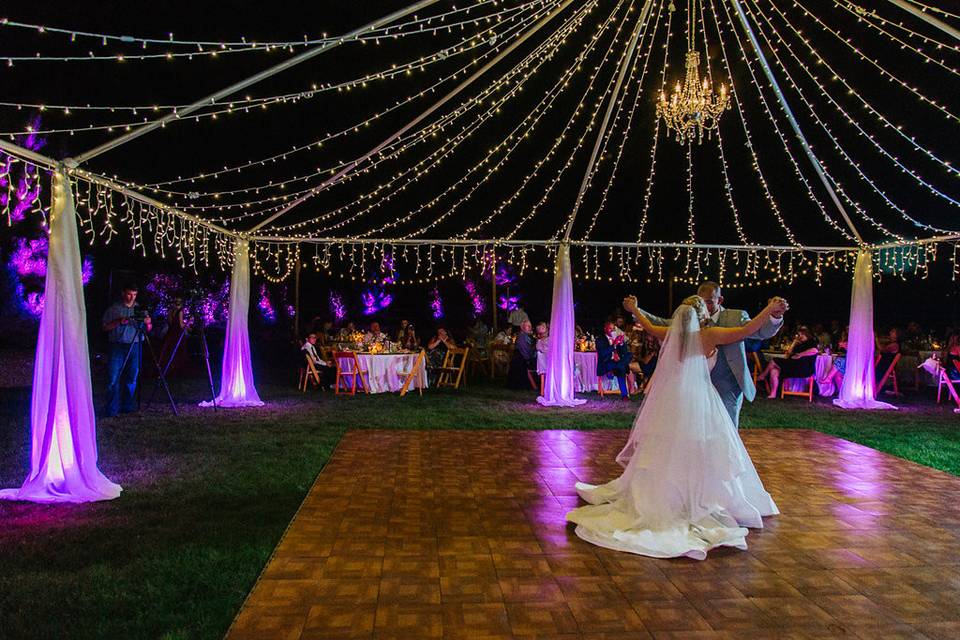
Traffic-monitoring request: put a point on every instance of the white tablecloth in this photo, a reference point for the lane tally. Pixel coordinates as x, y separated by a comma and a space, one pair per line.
383, 371
824, 387
584, 372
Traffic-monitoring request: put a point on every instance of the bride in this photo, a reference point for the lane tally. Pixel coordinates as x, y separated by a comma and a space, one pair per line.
688, 483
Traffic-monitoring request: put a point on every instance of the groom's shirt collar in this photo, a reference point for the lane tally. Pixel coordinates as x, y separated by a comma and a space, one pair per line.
715, 318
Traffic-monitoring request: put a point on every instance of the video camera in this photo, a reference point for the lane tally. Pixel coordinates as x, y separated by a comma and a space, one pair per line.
139, 314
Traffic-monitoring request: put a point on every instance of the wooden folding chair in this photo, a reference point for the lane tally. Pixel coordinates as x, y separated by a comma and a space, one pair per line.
413, 373
451, 373
808, 394
945, 381
889, 374
309, 374
355, 373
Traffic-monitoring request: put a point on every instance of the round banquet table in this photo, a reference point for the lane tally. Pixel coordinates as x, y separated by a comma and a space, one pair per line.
584, 372
383, 371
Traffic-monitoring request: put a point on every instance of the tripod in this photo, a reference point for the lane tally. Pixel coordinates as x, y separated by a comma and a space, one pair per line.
161, 379
142, 337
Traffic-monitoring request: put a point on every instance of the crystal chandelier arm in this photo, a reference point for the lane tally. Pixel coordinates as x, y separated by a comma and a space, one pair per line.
624, 67
792, 120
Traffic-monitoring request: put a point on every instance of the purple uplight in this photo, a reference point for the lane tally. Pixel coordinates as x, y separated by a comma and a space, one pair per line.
476, 300
265, 306
337, 308
29, 258
436, 304
375, 299
509, 303
291, 311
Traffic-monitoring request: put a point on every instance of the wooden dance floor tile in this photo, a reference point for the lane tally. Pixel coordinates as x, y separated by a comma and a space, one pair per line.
461, 534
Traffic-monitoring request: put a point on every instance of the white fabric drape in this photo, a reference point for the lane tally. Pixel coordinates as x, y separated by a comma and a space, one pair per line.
63, 455
558, 388
236, 382
857, 391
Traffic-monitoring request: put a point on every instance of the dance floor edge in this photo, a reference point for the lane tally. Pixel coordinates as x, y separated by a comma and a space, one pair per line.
461, 534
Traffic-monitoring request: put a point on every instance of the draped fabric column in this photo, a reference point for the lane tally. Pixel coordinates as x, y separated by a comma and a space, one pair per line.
236, 382
63, 454
558, 380
858, 391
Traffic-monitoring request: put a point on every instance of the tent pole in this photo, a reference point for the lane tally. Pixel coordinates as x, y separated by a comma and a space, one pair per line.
793, 121
939, 24
243, 84
624, 67
456, 90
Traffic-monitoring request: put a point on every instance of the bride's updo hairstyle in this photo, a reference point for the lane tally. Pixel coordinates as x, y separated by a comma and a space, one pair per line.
699, 306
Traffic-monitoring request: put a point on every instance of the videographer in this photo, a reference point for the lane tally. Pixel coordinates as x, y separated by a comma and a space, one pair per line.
121, 322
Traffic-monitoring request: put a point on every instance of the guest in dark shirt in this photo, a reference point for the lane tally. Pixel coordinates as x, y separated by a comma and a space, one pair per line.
524, 358
799, 361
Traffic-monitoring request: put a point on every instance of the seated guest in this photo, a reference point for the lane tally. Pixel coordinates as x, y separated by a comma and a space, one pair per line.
524, 359
835, 375
913, 337
327, 371
649, 353
409, 340
613, 356
479, 332
543, 337
347, 330
375, 335
437, 349
326, 333
799, 360
888, 347
505, 336
402, 331
950, 358
578, 332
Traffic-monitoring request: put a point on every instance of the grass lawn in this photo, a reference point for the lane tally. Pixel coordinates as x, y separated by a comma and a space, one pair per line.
207, 496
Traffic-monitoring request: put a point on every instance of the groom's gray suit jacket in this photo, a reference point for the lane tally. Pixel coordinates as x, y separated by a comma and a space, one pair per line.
734, 354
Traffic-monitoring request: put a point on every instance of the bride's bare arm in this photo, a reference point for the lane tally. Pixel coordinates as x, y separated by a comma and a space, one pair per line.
656, 331
716, 336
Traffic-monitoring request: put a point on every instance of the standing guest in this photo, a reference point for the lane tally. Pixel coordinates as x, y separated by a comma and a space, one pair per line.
799, 360
121, 322
613, 356
325, 335
437, 349
402, 330
327, 371
375, 335
913, 337
543, 337
409, 340
517, 317
524, 359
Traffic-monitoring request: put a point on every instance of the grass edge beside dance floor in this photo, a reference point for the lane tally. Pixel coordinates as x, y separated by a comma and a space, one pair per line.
208, 495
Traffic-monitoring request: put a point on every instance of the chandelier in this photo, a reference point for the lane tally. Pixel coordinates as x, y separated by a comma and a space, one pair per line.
693, 108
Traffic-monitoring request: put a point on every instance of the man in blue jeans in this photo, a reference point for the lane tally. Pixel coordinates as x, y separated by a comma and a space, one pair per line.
120, 323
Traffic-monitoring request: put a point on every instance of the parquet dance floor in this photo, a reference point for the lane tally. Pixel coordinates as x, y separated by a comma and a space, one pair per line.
461, 534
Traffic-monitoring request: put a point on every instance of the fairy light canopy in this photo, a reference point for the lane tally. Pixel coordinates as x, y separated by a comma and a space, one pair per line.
507, 125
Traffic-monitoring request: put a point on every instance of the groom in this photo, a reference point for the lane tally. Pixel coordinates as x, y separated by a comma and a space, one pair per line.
731, 375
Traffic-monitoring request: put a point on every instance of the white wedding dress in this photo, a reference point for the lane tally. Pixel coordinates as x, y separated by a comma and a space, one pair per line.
688, 485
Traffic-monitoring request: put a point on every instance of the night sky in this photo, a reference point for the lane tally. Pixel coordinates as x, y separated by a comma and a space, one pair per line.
189, 148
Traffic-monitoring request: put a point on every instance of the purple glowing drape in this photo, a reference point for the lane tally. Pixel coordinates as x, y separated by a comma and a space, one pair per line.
857, 391
63, 454
558, 380
236, 382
